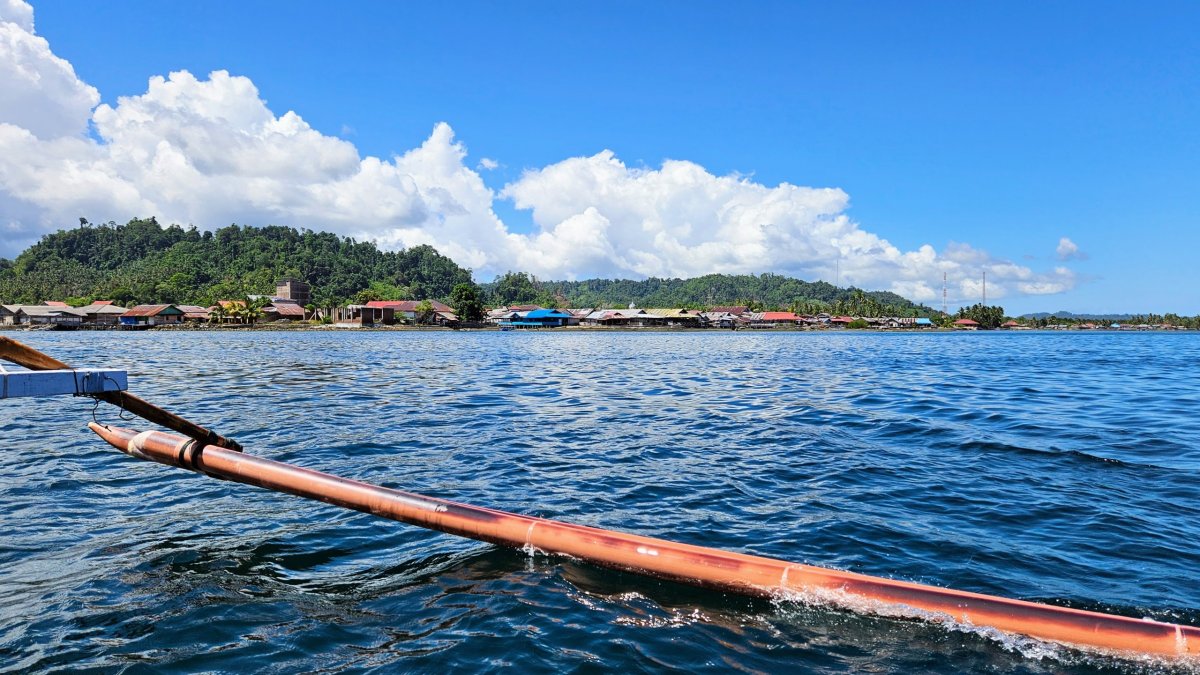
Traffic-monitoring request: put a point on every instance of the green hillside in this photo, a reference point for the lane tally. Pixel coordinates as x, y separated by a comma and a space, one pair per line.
759, 291
142, 262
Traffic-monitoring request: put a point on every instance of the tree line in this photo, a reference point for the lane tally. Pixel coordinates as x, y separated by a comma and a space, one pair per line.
758, 292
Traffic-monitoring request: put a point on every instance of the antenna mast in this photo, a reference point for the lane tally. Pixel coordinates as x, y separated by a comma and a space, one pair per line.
985, 288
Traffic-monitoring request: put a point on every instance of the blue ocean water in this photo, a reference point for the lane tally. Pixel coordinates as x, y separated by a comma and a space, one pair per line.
1044, 466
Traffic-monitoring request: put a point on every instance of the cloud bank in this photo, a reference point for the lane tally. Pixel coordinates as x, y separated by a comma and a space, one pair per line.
211, 152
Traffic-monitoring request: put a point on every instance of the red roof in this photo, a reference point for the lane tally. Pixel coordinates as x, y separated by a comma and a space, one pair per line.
99, 303
780, 316
524, 308
407, 305
842, 319
1011, 324
148, 310
966, 322
56, 303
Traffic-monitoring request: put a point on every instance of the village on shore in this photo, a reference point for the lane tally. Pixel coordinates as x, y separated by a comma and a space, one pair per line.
291, 306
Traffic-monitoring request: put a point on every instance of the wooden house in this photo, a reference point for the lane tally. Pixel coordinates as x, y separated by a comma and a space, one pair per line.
358, 316
281, 308
8, 314
407, 309
195, 313
103, 313
146, 316
537, 318
50, 315
720, 319
683, 318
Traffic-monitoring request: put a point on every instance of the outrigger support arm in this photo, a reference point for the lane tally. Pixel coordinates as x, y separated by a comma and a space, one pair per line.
696, 565
28, 357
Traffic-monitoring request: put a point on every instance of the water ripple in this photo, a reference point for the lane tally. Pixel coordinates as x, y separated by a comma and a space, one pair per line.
1054, 467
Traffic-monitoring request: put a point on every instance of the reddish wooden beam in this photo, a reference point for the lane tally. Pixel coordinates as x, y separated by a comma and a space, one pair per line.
697, 565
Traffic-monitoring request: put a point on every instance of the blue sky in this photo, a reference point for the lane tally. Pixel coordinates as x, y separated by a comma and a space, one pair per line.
1003, 126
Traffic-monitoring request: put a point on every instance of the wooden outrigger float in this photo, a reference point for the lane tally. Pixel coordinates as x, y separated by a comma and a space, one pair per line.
696, 565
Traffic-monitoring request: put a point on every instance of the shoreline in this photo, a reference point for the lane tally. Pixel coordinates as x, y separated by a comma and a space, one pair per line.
305, 327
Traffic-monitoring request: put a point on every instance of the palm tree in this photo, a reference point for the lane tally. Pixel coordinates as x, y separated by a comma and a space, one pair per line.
252, 308
233, 310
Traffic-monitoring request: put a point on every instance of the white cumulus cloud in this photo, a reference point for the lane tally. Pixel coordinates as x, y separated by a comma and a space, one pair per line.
1069, 250
211, 152
40, 91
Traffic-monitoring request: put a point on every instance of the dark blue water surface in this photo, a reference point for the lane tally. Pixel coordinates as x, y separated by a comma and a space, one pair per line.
1062, 468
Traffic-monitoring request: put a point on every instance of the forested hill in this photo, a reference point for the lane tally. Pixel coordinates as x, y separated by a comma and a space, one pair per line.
143, 262
759, 291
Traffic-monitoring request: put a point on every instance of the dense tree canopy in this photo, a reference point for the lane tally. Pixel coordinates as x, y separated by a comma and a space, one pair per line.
986, 316
142, 262
759, 292
466, 303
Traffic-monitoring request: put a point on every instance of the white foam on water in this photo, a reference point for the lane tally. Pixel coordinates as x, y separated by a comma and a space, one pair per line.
676, 619
1024, 645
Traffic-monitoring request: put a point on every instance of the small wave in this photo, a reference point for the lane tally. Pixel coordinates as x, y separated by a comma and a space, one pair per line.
997, 446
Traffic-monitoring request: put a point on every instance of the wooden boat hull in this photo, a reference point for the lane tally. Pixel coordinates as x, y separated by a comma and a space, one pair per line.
697, 565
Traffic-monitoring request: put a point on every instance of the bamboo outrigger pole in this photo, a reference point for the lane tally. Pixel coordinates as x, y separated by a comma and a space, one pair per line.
696, 565
28, 357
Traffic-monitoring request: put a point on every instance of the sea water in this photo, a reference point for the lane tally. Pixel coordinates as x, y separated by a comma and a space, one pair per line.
1062, 468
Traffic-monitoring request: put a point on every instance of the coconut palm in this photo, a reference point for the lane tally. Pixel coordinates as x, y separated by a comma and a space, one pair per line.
252, 308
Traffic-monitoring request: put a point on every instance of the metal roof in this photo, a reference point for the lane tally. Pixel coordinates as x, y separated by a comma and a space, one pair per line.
152, 310
675, 313
50, 310
103, 308
408, 305
285, 309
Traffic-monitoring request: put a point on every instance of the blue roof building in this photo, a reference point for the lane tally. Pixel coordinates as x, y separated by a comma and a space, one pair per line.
538, 318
